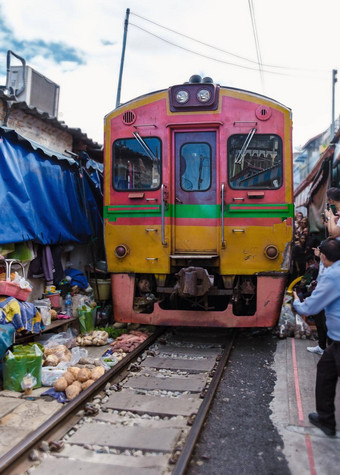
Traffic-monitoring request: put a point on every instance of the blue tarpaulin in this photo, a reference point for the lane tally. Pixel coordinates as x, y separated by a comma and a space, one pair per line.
44, 196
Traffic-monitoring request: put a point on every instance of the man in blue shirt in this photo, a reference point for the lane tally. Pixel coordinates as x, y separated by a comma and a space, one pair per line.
326, 296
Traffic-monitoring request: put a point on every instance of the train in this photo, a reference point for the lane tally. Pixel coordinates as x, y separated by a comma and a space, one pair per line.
198, 206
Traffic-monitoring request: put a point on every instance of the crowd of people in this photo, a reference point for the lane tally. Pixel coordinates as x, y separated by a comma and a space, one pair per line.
303, 247
317, 294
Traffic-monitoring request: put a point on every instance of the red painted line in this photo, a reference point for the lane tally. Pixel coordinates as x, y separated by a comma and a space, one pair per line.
255, 207
308, 441
131, 209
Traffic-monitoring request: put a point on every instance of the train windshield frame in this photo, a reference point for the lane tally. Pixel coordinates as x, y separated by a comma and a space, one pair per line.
137, 164
255, 161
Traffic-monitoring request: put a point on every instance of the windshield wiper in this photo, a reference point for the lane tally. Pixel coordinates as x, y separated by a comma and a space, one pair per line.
242, 152
145, 146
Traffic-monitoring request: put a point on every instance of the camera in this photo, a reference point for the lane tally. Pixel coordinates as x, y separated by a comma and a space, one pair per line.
331, 208
324, 219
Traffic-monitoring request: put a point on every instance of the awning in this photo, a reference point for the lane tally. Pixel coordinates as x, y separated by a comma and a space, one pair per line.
44, 195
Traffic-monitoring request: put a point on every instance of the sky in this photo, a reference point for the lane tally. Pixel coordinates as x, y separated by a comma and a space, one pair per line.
283, 49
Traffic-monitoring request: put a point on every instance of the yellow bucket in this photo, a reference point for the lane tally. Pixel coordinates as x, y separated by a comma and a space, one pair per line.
104, 288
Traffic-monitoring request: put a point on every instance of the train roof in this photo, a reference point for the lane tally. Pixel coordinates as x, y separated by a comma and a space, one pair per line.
241, 91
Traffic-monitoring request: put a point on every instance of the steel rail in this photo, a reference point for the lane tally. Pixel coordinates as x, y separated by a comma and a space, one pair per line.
194, 433
31, 440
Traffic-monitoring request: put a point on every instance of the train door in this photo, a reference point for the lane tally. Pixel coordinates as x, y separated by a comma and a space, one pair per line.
195, 220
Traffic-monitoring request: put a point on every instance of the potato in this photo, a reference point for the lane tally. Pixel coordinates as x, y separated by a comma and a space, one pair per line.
97, 372
87, 341
61, 351
74, 370
50, 351
72, 391
51, 360
69, 377
87, 384
83, 375
77, 383
54, 314
60, 384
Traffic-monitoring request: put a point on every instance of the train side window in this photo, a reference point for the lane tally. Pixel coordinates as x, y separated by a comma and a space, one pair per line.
195, 166
136, 165
256, 166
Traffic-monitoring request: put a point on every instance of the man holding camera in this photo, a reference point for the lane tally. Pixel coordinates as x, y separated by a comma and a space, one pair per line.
332, 221
326, 296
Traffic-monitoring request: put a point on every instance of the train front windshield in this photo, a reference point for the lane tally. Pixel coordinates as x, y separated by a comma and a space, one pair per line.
137, 165
255, 164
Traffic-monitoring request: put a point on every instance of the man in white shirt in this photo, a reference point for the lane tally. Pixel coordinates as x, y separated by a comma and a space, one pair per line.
326, 296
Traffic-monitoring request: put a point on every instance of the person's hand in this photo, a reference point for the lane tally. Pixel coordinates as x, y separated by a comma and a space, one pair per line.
329, 213
295, 295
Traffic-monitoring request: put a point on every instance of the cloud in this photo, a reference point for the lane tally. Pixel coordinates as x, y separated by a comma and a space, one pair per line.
57, 52
77, 44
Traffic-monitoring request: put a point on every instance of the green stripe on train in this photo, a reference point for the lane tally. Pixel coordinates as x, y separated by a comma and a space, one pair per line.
276, 210
282, 211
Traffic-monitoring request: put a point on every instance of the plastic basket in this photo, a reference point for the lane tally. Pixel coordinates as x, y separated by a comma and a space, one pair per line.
13, 290
54, 299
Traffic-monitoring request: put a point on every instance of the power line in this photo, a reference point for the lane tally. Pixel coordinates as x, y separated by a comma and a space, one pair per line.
202, 55
194, 39
209, 57
256, 38
217, 48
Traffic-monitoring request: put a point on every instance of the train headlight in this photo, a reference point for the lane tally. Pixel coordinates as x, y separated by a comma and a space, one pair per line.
203, 95
182, 96
271, 252
121, 251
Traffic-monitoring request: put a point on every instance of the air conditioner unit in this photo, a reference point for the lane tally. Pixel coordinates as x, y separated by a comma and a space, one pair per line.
38, 91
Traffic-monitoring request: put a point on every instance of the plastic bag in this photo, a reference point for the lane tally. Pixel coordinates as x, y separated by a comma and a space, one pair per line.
27, 383
49, 374
85, 313
24, 359
45, 315
78, 353
67, 339
7, 333
108, 361
286, 323
290, 323
60, 396
302, 329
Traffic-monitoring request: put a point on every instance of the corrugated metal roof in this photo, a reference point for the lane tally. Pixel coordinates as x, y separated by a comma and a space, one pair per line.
36, 146
75, 132
47, 151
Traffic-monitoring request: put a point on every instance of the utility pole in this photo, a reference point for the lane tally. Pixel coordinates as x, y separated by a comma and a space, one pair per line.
334, 80
126, 24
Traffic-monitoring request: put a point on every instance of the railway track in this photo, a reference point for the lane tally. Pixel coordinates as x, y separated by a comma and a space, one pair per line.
143, 416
